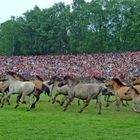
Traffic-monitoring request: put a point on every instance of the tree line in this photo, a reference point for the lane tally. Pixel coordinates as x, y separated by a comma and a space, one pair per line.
98, 26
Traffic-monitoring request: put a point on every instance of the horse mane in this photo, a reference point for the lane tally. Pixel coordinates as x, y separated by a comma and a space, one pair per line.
11, 73
67, 77
135, 90
136, 82
57, 78
39, 78
118, 81
100, 79
23, 78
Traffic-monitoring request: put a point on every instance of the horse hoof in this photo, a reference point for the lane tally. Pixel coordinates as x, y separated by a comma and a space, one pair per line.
33, 106
2, 106
99, 113
53, 102
107, 106
15, 106
24, 102
80, 111
28, 110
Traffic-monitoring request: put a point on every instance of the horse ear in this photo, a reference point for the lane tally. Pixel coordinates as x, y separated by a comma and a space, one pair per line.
132, 87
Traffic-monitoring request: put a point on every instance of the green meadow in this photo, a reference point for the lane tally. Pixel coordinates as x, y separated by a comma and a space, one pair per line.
48, 122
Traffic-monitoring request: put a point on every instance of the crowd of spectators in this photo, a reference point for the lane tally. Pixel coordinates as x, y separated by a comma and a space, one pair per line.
121, 65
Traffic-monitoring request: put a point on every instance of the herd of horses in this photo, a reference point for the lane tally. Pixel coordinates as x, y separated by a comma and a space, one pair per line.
70, 88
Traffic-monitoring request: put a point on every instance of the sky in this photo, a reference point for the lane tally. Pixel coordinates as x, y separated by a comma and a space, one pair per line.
16, 8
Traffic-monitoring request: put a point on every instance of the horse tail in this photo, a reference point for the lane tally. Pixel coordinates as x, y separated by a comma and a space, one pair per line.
46, 89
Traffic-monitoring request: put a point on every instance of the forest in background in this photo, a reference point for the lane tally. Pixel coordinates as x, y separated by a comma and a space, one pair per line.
99, 26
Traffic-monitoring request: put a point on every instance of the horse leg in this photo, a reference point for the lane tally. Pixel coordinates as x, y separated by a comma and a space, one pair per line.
54, 99
20, 99
123, 104
30, 102
96, 103
8, 100
4, 99
37, 98
1, 97
118, 104
127, 103
63, 100
136, 106
78, 102
37, 95
50, 99
107, 100
70, 97
85, 105
69, 100
99, 103
67, 104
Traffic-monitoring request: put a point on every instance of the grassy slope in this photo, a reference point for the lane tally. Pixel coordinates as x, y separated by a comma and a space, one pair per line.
48, 122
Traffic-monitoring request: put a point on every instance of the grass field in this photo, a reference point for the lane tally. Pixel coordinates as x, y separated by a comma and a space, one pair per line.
48, 122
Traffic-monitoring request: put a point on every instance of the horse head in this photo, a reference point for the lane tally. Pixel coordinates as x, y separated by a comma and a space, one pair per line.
11, 73
39, 78
71, 81
58, 81
99, 79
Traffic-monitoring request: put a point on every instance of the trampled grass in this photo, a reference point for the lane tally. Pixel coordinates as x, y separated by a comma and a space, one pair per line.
48, 122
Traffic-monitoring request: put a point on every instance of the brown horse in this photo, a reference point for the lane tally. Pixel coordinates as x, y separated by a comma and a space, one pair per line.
120, 90
134, 92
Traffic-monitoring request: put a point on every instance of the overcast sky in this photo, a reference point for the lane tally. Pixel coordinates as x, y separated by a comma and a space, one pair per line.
16, 8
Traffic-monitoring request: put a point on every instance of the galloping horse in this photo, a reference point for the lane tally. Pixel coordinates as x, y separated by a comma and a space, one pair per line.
108, 93
120, 90
19, 87
134, 92
39, 85
61, 89
83, 91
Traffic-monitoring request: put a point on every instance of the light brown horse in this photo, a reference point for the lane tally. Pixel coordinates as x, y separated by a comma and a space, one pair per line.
120, 90
134, 92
